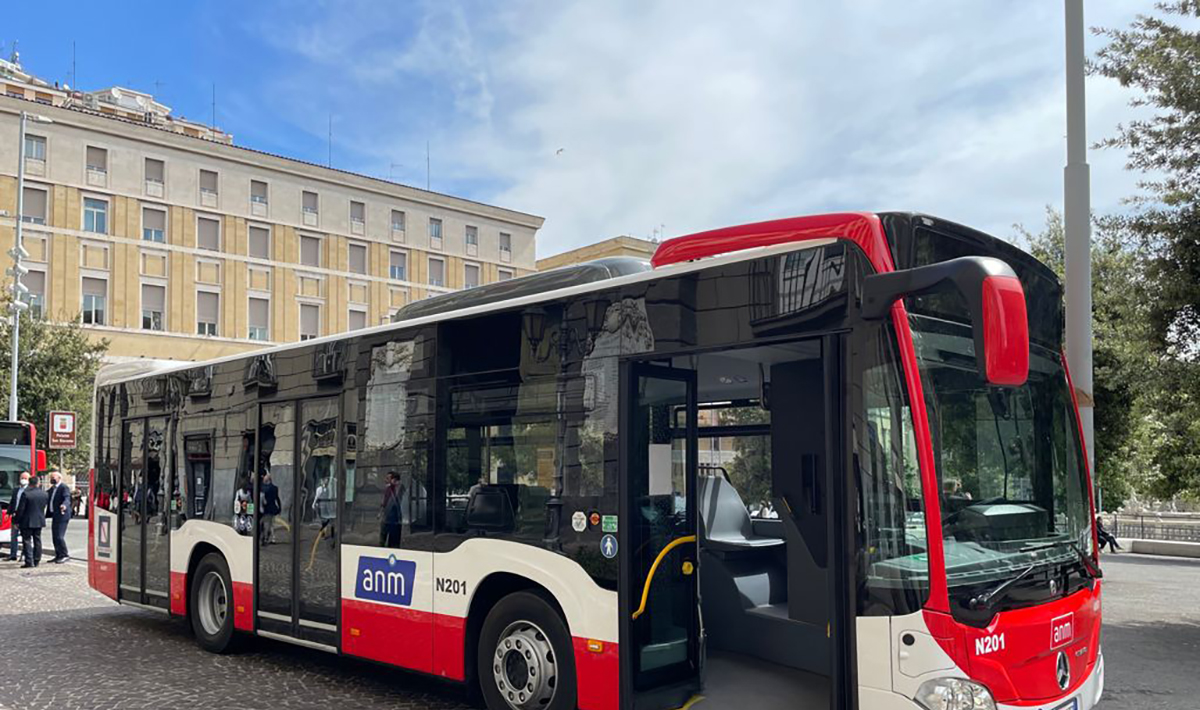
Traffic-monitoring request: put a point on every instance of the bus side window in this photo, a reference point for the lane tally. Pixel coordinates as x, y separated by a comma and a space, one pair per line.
198, 470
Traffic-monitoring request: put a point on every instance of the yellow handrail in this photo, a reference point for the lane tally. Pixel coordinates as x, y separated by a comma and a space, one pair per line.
654, 568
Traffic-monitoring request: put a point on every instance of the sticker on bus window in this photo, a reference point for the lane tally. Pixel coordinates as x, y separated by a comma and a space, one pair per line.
579, 521
609, 524
608, 546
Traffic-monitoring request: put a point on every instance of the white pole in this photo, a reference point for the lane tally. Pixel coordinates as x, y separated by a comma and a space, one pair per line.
16, 311
1077, 227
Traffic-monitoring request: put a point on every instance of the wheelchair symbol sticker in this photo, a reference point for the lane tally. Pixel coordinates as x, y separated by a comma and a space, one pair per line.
608, 546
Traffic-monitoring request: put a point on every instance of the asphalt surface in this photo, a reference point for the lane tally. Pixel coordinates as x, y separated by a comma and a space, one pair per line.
69, 647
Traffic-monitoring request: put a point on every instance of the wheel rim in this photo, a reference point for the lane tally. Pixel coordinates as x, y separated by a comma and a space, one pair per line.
212, 603
524, 666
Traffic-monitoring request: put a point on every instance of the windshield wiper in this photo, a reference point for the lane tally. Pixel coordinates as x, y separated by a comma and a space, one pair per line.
1088, 563
984, 601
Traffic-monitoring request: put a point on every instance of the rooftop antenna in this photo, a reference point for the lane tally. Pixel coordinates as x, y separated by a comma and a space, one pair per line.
158, 86
427, 165
74, 79
213, 125
329, 159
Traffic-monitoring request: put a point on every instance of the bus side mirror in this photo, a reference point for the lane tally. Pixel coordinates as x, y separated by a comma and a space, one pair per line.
41, 461
994, 298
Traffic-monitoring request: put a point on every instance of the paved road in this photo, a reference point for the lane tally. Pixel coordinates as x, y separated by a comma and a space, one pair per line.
107, 656
1151, 634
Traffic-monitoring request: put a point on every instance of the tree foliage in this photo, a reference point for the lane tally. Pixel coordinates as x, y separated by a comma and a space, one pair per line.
57, 370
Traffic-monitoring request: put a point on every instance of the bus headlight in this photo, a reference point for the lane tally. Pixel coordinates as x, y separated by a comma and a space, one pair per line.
954, 694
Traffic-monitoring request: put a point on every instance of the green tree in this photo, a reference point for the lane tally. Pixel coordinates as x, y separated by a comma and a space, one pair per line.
1159, 59
57, 371
1121, 351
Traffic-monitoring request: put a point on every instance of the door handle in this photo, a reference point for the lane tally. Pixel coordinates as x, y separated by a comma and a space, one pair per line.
654, 568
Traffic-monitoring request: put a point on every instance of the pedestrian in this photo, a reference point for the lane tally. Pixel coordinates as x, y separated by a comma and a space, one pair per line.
271, 506
31, 516
15, 529
1105, 537
392, 518
60, 516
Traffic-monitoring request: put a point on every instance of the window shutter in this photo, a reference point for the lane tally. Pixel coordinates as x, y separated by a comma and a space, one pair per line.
34, 203
154, 219
154, 298
209, 234
154, 170
310, 201
208, 181
97, 158
95, 287
358, 258
310, 319
259, 312
207, 305
260, 242
310, 251
35, 281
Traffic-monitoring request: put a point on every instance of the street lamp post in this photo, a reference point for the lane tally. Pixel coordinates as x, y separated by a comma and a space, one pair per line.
18, 254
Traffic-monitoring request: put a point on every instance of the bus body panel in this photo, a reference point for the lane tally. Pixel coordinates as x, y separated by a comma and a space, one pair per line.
238, 551
105, 553
410, 608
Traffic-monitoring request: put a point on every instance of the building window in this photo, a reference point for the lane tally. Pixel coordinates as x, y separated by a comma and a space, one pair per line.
207, 309
35, 281
155, 170
472, 236
95, 300
33, 206
310, 321
435, 233
398, 268
310, 203
505, 244
154, 302
97, 159
504, 275
310, 251
208, 233
259, 242
358, 213
208, 182
470, 275
357, 257
95, 215
397, 220
258, 192
35, 147
259, 312
154, 225
437, 272
358, 319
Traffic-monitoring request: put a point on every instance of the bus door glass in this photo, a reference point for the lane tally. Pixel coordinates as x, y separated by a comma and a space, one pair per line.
659, 547
133, 493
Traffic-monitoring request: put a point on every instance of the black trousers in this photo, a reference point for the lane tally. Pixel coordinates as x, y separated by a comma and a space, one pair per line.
31, 539
58, 533
14, 542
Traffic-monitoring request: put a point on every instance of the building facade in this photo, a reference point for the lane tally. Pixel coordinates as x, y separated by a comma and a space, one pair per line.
616, 246
176, 246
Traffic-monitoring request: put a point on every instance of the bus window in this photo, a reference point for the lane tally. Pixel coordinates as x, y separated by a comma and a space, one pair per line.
198, 465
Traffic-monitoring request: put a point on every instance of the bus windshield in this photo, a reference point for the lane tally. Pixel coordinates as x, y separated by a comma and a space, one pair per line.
1011, 479
13, 460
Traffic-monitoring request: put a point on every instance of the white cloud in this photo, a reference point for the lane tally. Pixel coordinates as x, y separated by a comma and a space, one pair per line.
695, 115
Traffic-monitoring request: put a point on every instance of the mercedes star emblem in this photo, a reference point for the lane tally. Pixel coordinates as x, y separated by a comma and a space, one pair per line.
1063, 672
1053, 587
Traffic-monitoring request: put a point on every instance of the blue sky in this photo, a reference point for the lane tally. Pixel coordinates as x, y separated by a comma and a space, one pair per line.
626, 117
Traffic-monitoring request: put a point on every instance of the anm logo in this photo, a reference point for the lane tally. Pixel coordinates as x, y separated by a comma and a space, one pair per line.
385, 579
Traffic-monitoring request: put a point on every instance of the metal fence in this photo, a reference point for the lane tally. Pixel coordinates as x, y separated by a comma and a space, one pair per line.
1152, 527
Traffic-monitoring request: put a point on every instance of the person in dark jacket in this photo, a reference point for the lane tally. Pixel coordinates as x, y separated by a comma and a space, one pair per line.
60, 516
31, 517
14, 529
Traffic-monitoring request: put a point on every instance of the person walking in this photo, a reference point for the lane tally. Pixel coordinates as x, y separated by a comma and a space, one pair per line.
15, 529
31, 516
392, 514
60, 516
269, 492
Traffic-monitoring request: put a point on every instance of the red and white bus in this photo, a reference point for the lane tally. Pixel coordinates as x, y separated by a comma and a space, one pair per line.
829, 461
18, 454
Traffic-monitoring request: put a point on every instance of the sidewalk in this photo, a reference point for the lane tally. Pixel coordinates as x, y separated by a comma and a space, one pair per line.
1168, 548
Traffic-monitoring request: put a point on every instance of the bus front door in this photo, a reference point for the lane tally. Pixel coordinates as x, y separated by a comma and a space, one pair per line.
661, 654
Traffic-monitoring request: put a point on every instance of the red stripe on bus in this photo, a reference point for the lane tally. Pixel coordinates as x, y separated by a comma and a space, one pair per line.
389, 634
179, 593
449, 643
597, 675
243, 606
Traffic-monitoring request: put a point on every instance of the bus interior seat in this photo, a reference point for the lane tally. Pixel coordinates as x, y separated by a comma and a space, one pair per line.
728, 526
490, 509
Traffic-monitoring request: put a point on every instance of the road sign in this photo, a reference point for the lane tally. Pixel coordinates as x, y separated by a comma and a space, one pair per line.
62, 430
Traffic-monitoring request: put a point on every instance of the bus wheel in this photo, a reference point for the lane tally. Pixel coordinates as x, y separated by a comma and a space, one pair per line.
525, 656
212, 605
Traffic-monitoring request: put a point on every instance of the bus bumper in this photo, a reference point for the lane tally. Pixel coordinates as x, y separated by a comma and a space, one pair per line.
1085, 698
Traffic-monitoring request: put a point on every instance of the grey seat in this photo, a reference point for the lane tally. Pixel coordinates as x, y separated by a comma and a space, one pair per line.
727, 523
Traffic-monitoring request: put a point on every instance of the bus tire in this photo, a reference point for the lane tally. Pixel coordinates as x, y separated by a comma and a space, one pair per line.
211, 605
525, 658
